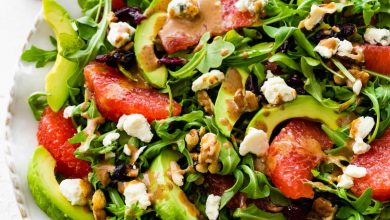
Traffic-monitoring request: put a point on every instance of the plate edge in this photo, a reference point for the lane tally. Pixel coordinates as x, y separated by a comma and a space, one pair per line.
15, 180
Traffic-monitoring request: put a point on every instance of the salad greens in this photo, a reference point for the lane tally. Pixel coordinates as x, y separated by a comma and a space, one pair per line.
191, 159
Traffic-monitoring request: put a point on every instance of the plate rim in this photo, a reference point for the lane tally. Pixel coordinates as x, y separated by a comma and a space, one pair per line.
14, 178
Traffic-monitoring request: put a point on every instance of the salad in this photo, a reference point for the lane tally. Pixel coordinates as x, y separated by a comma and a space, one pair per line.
214, 109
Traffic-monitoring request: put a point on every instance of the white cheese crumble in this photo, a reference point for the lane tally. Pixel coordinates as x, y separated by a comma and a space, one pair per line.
68, 111
327, 47
345, 181
344, 47
276, 91
269, 74
357, 86
316, 15
182, 9
76, 191
109, 138
212, 206
355, 171
120, 33
135, 193
253, 6
255, 142
136, 125
208, 80
361, 127
377, 36
360, 147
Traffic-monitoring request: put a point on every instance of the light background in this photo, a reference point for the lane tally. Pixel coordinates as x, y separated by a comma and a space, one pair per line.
16, 19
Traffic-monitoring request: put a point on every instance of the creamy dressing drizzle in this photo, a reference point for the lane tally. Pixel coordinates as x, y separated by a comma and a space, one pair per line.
209, 19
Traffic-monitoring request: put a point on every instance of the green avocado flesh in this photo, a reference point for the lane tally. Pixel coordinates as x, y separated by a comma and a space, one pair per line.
46, 191
169, 201
225, 113
145, 35
57, 78
302, 107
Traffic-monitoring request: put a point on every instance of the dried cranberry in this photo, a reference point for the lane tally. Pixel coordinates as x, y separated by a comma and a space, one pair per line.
217, 185
172, 61
296, 82
252, 85
133, 15
106, 58
295, 212
274, 68
346, 30
120, 173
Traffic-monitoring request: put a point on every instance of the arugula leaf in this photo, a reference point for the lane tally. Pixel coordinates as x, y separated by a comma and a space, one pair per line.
86, 5
215, 53
347, 212
254, 213
39, 56
280, 34
228, 156
256, 188
367, 7
229, 193
369, 91
286, 60
38, 103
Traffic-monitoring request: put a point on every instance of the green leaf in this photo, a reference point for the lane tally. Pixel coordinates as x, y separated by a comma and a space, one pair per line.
227, 156
281, 34
339, 138
229, 193
38, 103
215, 53
39, 56
286, 60
349, 213
254, 213
369, 91
256, 187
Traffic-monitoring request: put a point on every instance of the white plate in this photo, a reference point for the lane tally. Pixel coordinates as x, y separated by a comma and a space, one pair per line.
21, 126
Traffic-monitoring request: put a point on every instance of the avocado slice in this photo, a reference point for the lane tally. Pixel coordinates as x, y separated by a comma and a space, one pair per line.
303, 106
156, 6
169, 200
226, 115
46, 190
56, 79
147, 60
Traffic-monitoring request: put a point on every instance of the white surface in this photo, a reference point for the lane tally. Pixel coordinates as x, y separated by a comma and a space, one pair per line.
16, 20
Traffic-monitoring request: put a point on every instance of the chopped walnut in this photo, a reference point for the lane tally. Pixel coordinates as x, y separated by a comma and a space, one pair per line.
111, 17
202, 131
209, 148
316, 15
192, 139
98, 204
214, 167
322, 209
357, 73
176, 173
103, 172
201, 167
205, 101
247, 102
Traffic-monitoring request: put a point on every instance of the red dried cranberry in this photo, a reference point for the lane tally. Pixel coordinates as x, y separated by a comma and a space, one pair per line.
252, 85
132, 15
298, 210
274, 68
120, 173
172, 61
296, 82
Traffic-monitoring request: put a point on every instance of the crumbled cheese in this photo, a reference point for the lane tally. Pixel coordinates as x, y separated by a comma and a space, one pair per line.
357, 87
316, 15
68, 111
135, 193
208, 80
361, 127
360, 147
120, 33
212, 206
252, 6
276, 91
183, 9
76, 191
126, 150
345, 181
327, 47
255, 142
377, 36
109, 138
137, 126
355, 171
176, 173
344, 47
